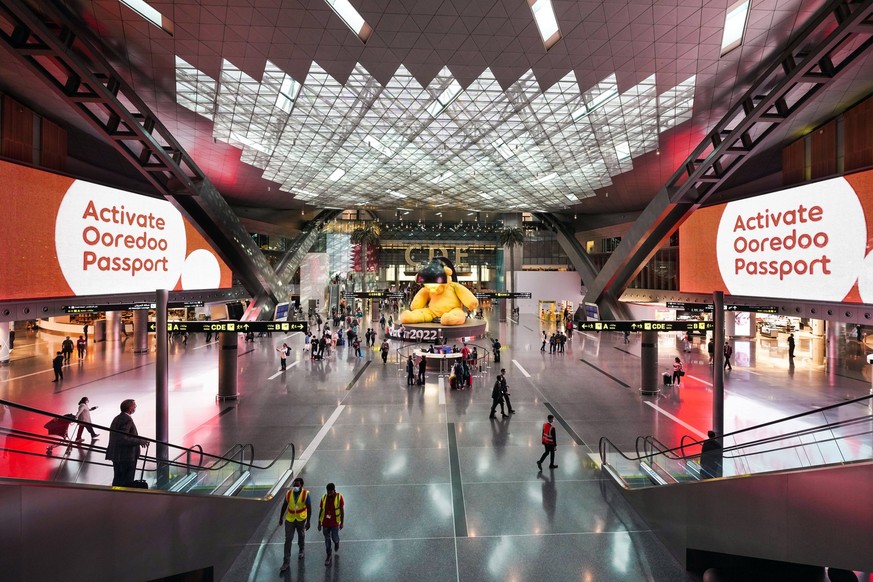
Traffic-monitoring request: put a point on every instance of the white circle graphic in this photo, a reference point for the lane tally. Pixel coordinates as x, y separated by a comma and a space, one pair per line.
803, 243
201, 271
111, 241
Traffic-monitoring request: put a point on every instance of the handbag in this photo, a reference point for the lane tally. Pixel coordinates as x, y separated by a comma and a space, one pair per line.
680, 373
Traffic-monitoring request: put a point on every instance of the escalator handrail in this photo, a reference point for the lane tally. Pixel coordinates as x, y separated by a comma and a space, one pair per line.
217, 458
680, 448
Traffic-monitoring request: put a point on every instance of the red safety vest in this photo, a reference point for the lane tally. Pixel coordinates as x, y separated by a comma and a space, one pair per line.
296, 510
547, 434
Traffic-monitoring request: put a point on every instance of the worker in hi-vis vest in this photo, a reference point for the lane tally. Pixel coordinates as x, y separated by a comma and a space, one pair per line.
550, 442
295, 514
331, 518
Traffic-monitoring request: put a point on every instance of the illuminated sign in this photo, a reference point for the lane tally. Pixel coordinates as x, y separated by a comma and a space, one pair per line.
660, 326
373, 295
770, 309
807, 243
501, 295
708, 307
233, 326
690, 307
77, 238
72, 309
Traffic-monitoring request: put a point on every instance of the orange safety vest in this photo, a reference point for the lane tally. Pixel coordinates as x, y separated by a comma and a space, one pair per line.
296, 509
547, 434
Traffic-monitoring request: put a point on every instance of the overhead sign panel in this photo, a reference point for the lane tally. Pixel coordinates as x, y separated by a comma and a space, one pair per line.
660, 326
708, 307
95, 308
373, 295
233, 326
501, 295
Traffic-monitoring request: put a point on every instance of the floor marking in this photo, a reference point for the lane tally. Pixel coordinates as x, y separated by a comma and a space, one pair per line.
701, 380
625, 351
279, 373
441, 391
358, 375
605, 373
27, 375
588, 335
679, 421
521, 369
459, 511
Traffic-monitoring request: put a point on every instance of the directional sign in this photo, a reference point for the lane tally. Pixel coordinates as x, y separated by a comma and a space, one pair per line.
145, 305
374, 295
692, 307
771, 309
233, 326
501, 295
645, 325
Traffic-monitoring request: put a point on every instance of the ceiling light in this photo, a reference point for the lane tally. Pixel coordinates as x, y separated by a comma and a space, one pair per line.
443, 177
547, 178
445, 99
571, 197
150, 14
336, 175
544, 15
484, 195
396, 194
598, 101
352, 18
734, 26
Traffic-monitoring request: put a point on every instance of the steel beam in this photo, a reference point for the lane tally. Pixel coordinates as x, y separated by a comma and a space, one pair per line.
65, 53
803, 69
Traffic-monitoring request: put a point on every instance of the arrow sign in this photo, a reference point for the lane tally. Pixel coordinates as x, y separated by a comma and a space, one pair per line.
659, 326
233, 326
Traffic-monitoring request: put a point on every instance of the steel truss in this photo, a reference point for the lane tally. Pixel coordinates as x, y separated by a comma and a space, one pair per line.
776, 96
68, 57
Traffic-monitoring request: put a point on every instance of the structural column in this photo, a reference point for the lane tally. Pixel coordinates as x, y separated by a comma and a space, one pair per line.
162, 385
227, 360
4, 342
718, 364
113, 326
140, 331
649, 363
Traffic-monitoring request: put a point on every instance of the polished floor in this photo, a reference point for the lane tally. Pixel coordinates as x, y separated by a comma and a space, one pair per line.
433, 487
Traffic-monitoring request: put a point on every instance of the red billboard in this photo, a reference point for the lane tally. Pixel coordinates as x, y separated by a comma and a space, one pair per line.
67, 237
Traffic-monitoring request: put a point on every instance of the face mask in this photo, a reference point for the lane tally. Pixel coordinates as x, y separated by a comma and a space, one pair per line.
296, 489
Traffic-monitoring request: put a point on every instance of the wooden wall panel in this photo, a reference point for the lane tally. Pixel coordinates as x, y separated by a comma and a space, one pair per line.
16, 143
858, 136
793, 160
823, 145
53, 147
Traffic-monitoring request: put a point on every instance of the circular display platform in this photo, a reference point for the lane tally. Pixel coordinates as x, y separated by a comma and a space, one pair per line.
429, 332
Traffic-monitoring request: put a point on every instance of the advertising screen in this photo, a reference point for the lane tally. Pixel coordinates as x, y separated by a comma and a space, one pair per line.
67, 237
810, 242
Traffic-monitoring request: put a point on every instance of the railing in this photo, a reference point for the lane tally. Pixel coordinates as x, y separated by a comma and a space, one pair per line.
58, 458
809, 439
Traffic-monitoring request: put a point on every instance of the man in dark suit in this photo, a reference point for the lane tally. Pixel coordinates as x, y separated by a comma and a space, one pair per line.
124, 444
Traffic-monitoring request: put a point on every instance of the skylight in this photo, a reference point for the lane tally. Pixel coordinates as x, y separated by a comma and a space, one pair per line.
150, 14
547, 178
378, 146
623, 150
396, 194
598, 101
443, 177
287, 94
544, 15
352, 18
336, 175
734, 26
445, 99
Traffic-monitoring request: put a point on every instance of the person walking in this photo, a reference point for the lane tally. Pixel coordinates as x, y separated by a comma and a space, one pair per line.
306, 339
495, 347
384, 349
284, 352
81, 344
331, 519
58, 366
711, 457
545, 339
678, 372
504, 390
83, 417
67, 349
790, 346
295, 514
124, 445
356, 344
497, 399
550, 443
410, 371
728, 352
710, 348
422, 366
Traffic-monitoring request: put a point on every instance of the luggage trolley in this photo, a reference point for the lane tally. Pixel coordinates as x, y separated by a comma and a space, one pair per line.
59, 427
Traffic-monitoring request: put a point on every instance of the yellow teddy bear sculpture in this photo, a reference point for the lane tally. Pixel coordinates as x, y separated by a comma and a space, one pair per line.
440, 297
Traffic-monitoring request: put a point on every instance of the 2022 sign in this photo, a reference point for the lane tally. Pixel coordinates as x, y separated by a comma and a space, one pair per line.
424, 335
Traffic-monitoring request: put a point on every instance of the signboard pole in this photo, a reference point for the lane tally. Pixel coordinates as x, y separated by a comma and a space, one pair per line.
162, 391
649, 363
718, 365
227, 359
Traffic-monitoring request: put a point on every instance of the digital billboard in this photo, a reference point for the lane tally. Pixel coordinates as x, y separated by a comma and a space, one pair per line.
810, 242
65, 237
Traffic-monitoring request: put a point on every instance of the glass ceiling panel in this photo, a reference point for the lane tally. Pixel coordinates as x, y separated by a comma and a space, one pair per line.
544, 149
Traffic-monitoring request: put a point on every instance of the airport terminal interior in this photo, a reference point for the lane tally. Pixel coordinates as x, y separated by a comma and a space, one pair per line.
411, 248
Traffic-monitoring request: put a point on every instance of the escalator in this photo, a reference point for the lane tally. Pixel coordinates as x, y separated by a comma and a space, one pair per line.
795, 491
56, 508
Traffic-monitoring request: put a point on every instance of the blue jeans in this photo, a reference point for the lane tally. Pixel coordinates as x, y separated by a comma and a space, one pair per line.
331, 532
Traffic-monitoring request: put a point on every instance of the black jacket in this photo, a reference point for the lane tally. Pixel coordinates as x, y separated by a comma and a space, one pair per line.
123, 442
